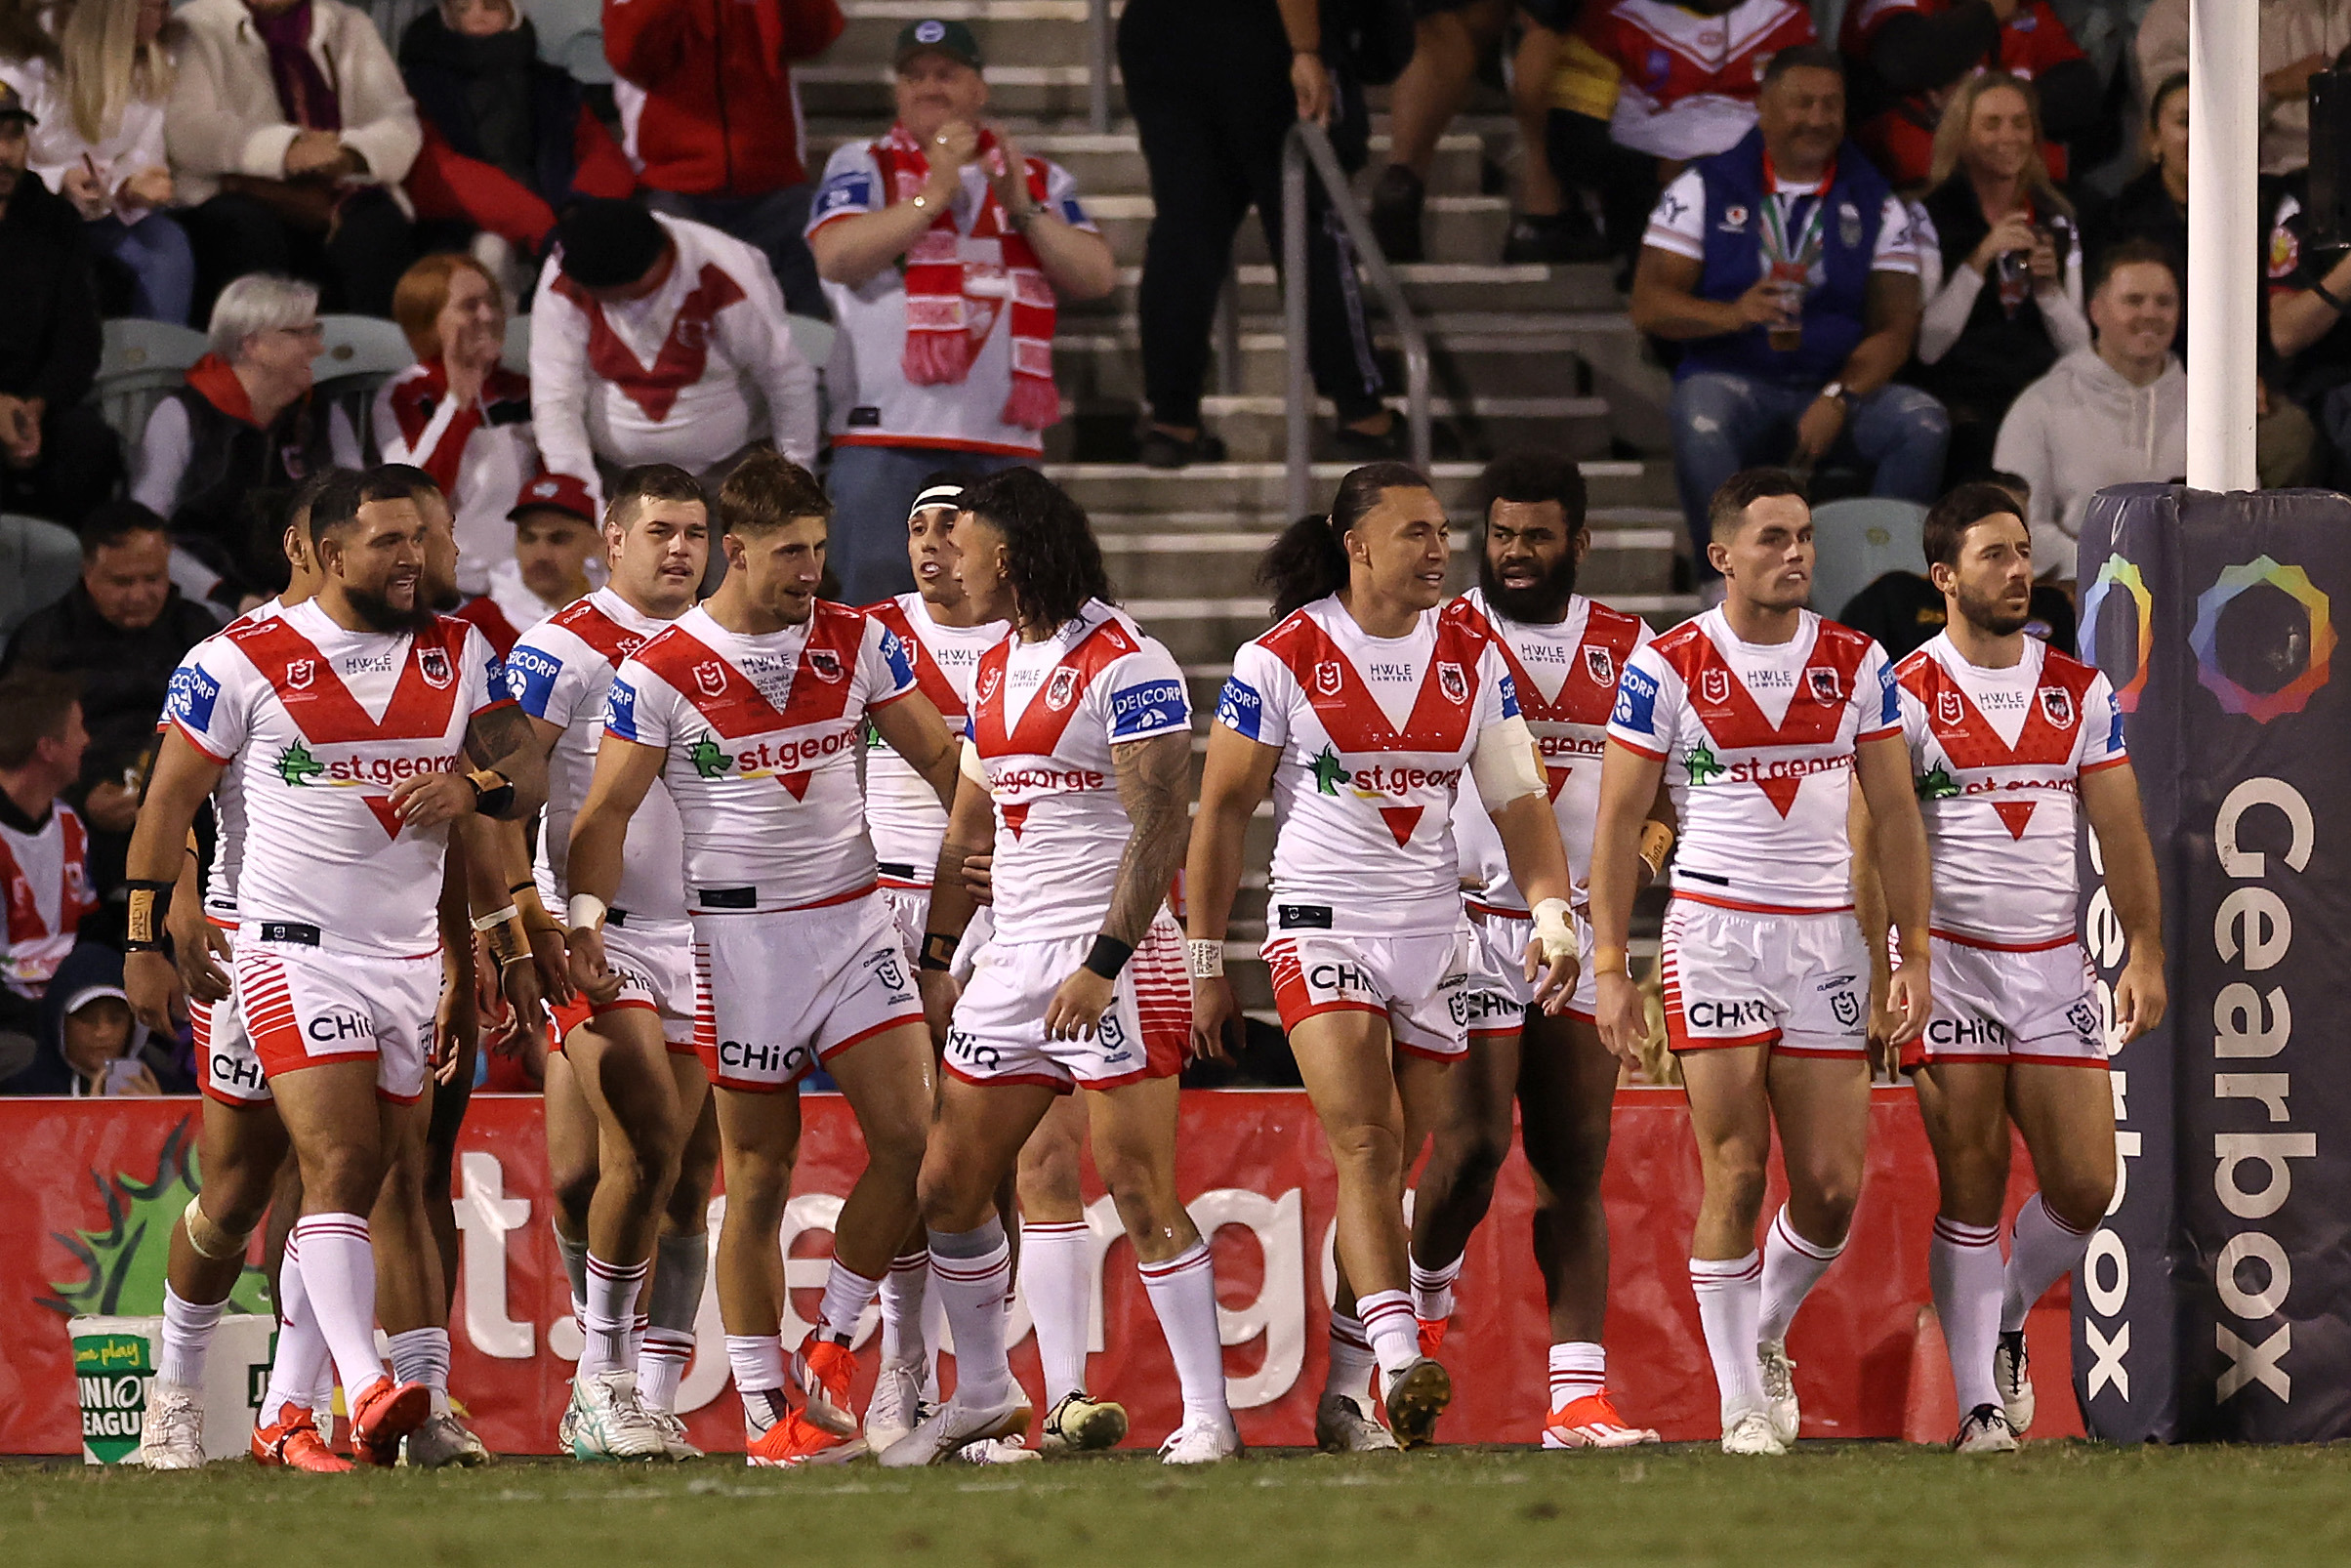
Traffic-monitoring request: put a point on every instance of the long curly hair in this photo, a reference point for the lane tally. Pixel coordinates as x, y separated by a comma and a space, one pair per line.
1049, 552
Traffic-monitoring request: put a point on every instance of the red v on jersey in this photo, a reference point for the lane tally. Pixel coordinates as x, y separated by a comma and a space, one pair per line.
1587, 693
1048, 712
1731, 716
599, 631
734, 708
1401, 820
1439, 721
928, 677
2052, 723
684, 353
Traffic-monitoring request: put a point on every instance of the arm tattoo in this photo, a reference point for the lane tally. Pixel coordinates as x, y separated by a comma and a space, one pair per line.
1155, 786
502, 738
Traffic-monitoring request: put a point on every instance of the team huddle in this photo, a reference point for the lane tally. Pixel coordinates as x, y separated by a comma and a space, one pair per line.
944, 851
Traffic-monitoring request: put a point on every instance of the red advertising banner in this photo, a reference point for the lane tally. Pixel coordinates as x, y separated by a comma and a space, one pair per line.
94, 1187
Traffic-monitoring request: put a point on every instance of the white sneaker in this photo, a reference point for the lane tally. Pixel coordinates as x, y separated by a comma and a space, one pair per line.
1342, 1428
896, 1405
954, 1425
1778, 1390
2012, 1376
1751, 1431
1986, 1430
443, 1441
997, 1451
1081, 1424
672, 1427
608, 1423
1201, 1441
172, 1437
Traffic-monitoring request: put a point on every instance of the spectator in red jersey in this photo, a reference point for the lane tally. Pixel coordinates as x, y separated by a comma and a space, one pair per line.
44, 849
1643, 87
1909, 54
555, 555
712, 118
507, 137
457, 413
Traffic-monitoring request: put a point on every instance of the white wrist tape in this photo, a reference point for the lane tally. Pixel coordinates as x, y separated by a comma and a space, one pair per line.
1208, 958
585, 912
486, 923
1555, 932
1503, 764
973, 770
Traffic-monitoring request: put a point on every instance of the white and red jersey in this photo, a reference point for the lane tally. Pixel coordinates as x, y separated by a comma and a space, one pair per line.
480, 453
320, 723
46, 875
1375, 734
1757, 741
1045, 716
1566, 678
562, 671
667, 379
760, 739
1998, 757
901, 811
1669, 81
229, 795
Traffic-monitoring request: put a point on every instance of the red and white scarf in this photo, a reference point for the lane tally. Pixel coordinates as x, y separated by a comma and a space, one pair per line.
945, 323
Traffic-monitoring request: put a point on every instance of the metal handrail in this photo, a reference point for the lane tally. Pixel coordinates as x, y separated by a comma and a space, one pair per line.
1098, 66
1308, 144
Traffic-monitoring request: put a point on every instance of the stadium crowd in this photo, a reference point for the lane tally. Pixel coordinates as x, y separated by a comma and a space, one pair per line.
1943, 249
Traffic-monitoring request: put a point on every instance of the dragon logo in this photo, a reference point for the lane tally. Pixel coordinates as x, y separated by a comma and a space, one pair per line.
708, 759
297, 766
1702, 764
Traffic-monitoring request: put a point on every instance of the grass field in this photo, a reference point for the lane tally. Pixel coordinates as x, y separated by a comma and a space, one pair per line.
1827, 1503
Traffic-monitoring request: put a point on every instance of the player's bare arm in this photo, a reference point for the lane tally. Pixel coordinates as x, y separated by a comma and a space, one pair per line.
1629, 783
1155, 786
459, 1011
1868, 908
182, 780
913, 728
1238, 773
624, 771
195, 942
2110, 796
499, 742
971, 835
1507, 769
1898, 853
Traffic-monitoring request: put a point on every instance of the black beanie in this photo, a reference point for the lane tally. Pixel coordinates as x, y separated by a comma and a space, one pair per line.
608, 244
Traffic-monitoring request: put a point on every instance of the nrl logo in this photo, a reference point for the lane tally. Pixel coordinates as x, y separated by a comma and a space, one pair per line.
433, 665
1948, 709
989, 679
1715, 685
1327, 678
1453, 684
300, 673
710, 677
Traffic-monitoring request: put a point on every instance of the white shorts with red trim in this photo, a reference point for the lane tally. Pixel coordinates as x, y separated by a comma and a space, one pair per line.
780, 991
304, 1006
1421, 983
1994, 1004
1797, 980
998, 1031
1499, 992
910, 911
656, 966
227, 1067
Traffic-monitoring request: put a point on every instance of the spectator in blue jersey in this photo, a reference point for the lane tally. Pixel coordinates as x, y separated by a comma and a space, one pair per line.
1786, 270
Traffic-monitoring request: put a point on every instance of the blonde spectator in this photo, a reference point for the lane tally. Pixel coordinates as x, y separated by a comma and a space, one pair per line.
456, 413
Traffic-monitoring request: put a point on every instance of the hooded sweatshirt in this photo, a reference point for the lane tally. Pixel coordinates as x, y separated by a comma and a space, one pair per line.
2081, 427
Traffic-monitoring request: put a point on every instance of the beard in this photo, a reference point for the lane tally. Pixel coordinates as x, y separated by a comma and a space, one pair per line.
1542, 604
1987, 614
381, 615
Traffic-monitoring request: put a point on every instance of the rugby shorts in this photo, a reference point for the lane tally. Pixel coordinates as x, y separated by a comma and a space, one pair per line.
227, 1067
2033, 1004
1795, 980
1420, 983
998, 1036
779, 991
654, 962
1499, 992
305, 1006
910, 909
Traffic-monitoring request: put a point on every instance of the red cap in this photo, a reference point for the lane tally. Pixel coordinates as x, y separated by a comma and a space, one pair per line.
555, 492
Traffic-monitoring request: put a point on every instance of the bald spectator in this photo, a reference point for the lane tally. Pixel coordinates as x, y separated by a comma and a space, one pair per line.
657, 340
290, 131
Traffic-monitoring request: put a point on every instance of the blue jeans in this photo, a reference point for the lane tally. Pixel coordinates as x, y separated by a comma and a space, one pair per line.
161, 262
1723, 423
872, 489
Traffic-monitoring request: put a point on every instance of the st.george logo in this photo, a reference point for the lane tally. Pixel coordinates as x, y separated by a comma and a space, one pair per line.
1453, 682
1063, 689
824, 664
433, 665
1825, 686
1601, 665
2057, 704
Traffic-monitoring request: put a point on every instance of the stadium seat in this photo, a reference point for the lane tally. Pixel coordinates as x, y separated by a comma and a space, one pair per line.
140, 361
38, 562
361, 353
516, 356
571, 35
1858, 541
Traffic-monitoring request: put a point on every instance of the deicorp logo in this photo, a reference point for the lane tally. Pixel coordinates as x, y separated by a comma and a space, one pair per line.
2280, 655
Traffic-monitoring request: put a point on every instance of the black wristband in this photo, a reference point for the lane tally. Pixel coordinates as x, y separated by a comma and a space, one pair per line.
148, 901
519, 887
1109, 956
2332, 304
493, 791
938, 951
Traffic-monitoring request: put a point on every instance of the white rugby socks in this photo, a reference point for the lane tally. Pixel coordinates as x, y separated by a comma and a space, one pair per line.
1388, 1323
1057, 1286
757, 1361
2043, 1250
672, 1301
1964, 1266
903, 1290
1578, 1369
1352, 1358
1730, 1301
339, 1273
301, 1362
608, 1315
847, 1295
1183, 1293
1433, 1291
187, 1335
1791, 1266
971, 1270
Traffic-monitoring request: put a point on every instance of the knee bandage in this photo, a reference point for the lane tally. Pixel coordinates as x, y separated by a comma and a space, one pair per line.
208, 1239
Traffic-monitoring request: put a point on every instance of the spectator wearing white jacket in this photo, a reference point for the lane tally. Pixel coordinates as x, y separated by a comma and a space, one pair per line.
2113, 413
95, 80
660, 340
291, 129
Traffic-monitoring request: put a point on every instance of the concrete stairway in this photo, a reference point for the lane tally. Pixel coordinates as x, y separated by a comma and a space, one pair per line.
1525, 354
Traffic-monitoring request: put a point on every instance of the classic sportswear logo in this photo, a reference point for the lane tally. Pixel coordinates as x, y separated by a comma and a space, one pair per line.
2316, 656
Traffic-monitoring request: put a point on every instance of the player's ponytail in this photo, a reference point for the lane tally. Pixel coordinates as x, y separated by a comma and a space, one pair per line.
1310, 561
